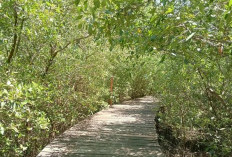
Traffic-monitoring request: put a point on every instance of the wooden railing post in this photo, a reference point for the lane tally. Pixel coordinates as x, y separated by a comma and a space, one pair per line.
111, 90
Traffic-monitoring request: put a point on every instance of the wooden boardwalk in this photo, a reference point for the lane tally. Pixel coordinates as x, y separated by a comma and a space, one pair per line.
122, 130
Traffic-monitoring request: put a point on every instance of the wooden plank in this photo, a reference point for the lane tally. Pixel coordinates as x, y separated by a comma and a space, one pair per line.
122, 130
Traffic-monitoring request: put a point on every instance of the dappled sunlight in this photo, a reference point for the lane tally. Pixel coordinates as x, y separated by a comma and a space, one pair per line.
122, 130
62, 61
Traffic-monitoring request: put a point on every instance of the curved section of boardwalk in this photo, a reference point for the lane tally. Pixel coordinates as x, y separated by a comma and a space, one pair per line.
120, 131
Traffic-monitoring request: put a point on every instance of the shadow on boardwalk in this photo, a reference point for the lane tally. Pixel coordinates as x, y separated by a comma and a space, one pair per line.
123, 130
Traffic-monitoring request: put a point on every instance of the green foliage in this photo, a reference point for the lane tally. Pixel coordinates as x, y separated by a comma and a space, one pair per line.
183, 89
57, 57
132, 76
51, 73
24, 125
192, 42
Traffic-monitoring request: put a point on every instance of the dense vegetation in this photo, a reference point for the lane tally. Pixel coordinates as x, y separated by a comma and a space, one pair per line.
57, 58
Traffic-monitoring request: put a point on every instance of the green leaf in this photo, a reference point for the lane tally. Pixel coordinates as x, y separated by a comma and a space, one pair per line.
22, 147
190, 36
103, 4
13, 127
77, 2
153, 37
90, 29
49, 4
170, 10
230, 3
186, 61
2, 130
162, 59
79, 17
96, 3
29, 128
108, 12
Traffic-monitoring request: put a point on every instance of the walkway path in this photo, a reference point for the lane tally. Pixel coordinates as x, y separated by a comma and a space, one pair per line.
120, 131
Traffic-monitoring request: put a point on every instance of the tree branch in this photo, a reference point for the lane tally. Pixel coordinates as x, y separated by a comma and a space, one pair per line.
54, 53
67, 44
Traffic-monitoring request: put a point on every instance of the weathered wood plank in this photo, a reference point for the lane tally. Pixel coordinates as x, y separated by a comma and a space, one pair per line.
122, 130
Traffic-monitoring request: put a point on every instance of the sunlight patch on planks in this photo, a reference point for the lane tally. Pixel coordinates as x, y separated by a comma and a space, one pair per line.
122, 130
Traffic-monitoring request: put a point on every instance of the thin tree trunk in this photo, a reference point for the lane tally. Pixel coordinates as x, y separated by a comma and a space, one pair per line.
53, 53
15, 36
19, 37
